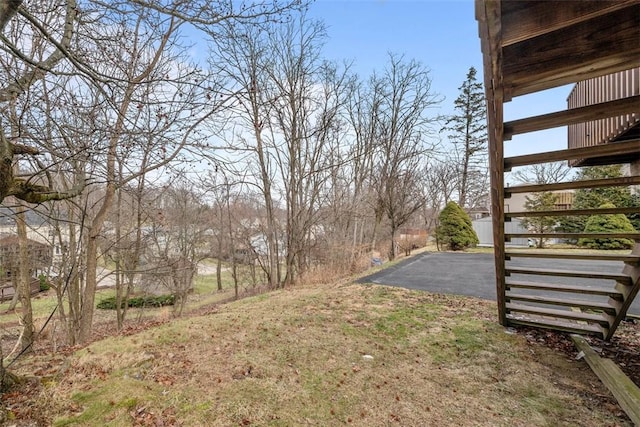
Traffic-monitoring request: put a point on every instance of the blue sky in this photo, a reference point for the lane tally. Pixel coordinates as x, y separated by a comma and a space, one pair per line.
443, 35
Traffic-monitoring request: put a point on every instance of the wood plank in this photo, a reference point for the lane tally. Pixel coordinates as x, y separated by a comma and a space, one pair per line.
602, 150
571, 212
571, 116
591, 183
596, 47
523, 20
513, 253
575, 236
557, 325
619, 277
598, 318
556, 287
582, 304
488, 14
623, 389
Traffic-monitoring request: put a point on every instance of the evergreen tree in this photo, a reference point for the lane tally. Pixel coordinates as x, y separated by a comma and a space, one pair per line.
594, 197
590, 198
467, 129
540, 224
607, 223
454, 229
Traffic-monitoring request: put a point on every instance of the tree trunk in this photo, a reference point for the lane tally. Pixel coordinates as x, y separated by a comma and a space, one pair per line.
91, 284
392, 252
24, 285
219, 267
1, 372
272, 238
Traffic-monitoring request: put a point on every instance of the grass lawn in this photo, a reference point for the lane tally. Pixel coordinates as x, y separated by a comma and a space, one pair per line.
324, 355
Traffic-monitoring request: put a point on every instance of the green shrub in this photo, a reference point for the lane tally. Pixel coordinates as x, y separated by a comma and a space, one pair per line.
44, 283
141, 301
608, 223
454, 229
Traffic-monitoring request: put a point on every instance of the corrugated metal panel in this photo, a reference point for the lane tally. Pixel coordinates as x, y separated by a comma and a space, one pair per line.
601, 89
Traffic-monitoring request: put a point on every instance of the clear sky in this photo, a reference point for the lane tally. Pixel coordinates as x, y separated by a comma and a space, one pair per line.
443, 35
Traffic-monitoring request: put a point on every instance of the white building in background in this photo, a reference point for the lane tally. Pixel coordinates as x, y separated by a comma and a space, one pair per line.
484, 230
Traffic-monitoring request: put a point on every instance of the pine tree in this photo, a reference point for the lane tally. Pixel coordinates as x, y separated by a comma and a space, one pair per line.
608, 223
593, 197
454, 229
467, 130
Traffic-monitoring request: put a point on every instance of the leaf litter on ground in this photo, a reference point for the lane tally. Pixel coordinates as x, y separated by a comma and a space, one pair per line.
297, 357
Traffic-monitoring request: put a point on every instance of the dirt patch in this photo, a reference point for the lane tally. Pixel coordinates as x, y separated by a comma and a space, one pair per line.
623, 349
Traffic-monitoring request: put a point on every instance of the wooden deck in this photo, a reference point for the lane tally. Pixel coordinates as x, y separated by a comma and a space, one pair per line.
530, 46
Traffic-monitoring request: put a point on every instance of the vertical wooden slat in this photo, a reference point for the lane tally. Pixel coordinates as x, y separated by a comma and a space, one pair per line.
489, 16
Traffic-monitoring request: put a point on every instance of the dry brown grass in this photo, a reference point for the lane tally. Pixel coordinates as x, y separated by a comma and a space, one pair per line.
296, 357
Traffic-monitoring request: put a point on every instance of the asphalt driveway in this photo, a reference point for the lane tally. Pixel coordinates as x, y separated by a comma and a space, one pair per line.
472, 274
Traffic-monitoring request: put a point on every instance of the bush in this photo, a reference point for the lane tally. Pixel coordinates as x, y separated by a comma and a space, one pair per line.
608, 223
44, 283
454, 229
143, 301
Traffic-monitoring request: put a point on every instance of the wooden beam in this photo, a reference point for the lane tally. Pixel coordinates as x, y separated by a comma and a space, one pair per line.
562, 314
630, 258
556, 324
558, 287
592, 183
575, 236
602, 150
523, 20
620, 277
488, 14
571, 212
565, 302
574, 115
599, 46
623, 389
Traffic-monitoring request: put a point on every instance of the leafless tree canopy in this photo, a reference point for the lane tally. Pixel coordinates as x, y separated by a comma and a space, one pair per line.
153, 134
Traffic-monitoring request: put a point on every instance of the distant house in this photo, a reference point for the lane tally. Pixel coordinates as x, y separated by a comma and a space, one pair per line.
39, 254
478, 213
516, 202
39, 229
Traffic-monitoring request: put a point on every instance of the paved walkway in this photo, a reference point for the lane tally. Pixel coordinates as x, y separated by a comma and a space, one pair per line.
472, 274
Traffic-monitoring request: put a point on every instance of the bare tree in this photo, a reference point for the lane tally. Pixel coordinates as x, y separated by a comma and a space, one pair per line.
308, 95
112, 51
242, 58
403, 128
543, 173
26, 63
363, 111
439, 186
177, 241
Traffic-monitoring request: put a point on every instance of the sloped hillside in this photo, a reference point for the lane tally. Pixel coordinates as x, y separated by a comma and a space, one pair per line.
334, 355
